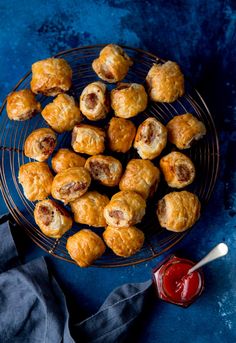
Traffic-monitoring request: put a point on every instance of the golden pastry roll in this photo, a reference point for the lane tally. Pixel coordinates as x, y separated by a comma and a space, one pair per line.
113, 63
51, 76
128, 100
165, 82
84, 247
62, 114
65, 159
120, 134
178, 169
150, 139
124, 241
105, 169
70, 184
184, 129
140, 176
88, 209
178, 211
36, 180
88, 139
22, 105
52, 219
126, 208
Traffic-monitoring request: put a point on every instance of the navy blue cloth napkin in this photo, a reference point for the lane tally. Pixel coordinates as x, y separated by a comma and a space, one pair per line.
33, 307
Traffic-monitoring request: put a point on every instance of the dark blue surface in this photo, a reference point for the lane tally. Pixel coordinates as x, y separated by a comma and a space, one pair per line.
200, 35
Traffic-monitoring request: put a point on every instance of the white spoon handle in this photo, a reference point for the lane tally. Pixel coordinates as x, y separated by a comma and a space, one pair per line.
219, 251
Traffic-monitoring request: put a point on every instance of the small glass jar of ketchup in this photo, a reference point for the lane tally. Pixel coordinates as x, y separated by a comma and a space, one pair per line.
175, 285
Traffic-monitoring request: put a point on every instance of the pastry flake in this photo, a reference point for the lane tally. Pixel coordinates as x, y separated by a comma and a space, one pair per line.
88, 139
65, 159
120, 134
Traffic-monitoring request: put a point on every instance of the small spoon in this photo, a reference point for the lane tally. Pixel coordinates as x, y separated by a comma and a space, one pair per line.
219, 251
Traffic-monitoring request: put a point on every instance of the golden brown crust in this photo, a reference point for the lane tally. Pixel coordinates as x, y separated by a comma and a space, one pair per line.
40, 144
128, 99
65, 159
178, 169
105, 169
140, 176
88, 139
120, 134
165, 82
22, 105
113, 63
184, 129
36, 180
51, 76
94, 101
52, 219
124, 241
178, 211
150, 139
70, 184
85, 247
62, 114
126, 208
88, 209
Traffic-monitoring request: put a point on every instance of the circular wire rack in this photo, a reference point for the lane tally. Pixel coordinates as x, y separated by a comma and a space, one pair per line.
205, 155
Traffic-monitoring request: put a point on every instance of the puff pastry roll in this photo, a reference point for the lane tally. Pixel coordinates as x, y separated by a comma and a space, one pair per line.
178, 169
105, 169
165, 82
36, 180
140, 176
70, 184
151, 139
22, 105
85, 247
88, 209
51, 76
120, 134
65, 159
62, 114
128, 99
52, 219
126, 208
113, 64
184, 129
94, 101
178, 211
40, 144
88, 139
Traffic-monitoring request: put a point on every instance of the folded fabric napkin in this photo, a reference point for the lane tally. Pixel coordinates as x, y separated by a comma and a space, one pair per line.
33, 307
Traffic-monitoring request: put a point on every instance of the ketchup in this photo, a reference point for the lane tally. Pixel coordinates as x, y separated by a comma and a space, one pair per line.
175, 285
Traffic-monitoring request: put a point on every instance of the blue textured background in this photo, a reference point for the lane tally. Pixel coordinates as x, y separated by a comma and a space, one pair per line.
201, 36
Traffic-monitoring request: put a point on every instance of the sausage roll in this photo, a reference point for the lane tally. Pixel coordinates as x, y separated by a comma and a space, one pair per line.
184, 129
178, 211
120, 134
88, 139
70, 184
22, 105
105, 169
140, 176
113, 64
65, 159
151, 139
52, 219
128, 99
126, 208
124, 241
62, 114
88, 209
178, 169
85, 247
165, 82
40, 144
94, 101
36, 180
51, 76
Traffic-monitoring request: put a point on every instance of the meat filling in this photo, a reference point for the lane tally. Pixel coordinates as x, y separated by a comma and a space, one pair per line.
183, 172
91, 101
107, 73
117, 215
72, 187
98, 168
46, 215
47, 145
162, 208
148, 134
